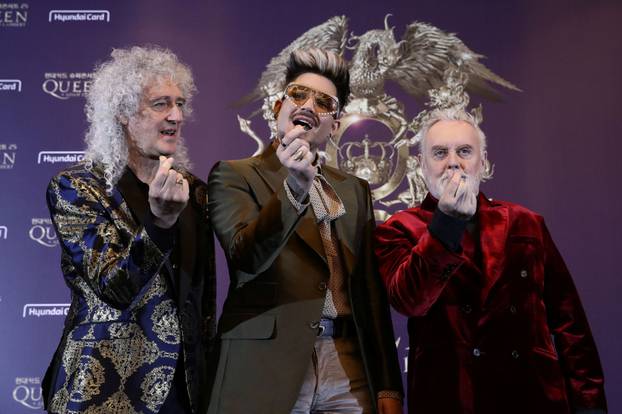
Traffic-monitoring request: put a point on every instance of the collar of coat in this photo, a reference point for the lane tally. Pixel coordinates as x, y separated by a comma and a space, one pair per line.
347, 226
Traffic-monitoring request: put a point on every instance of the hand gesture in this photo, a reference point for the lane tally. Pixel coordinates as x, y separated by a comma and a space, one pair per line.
168, 194
459, 199
295, 154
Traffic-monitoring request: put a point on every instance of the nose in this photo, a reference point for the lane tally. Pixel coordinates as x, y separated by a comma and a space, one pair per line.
453, 162
175, 115
309, 103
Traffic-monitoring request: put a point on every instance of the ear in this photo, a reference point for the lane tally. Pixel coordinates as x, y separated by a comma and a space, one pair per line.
276, 109
335, 126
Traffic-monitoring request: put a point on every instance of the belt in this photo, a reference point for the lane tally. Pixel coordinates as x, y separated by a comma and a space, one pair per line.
341, 327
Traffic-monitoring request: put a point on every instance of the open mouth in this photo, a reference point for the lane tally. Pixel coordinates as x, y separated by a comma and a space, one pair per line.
171, 132
306, 121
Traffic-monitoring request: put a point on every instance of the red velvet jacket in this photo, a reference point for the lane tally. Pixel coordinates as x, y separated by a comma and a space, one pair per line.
497, 329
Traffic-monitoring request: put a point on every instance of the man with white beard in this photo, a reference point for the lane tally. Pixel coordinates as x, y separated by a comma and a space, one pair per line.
495, 322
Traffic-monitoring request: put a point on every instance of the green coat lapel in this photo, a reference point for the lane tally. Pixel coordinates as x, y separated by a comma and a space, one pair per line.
273, 173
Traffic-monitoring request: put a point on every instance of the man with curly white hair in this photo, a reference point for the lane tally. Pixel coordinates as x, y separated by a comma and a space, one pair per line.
131, 221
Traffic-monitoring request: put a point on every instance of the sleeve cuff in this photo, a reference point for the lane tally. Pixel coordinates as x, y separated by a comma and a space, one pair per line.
300, 206
448, 230
163, 238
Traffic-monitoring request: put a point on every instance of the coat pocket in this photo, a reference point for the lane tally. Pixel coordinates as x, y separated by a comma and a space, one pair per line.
248, 326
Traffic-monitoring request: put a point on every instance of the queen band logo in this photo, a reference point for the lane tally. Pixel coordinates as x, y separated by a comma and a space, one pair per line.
64, 16
27, 392
7, 156
13, 14
65, 85
376, 140
42, 232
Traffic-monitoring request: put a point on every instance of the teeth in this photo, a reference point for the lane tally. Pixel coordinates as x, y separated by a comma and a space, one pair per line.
303, 122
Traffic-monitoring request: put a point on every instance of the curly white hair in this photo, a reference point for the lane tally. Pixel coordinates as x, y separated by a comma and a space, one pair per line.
116, 92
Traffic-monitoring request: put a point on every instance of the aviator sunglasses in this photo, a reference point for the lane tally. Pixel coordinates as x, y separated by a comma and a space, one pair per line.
323, 103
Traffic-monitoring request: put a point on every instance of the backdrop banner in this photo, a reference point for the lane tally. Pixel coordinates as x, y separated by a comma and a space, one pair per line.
555, 146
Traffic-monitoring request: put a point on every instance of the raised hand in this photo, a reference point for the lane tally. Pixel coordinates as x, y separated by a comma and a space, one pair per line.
168, 194
296, 155
459, 199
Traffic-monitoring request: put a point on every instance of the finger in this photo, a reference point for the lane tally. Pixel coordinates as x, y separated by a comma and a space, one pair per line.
180, 190
171, 179
296, 132
462, 186
452, 185
163, 169
289, 151
300, 153
185, 188
308, 160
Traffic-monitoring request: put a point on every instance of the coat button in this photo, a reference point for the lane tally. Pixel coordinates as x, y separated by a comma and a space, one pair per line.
523, 273
466, 309
515, 354
476, 352
513, 310
322, 286
447, 271
314, 324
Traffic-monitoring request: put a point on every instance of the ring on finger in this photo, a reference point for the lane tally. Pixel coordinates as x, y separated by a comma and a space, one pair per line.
299, 154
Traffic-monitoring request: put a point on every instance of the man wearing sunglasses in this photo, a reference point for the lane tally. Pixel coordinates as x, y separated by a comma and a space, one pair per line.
306, 326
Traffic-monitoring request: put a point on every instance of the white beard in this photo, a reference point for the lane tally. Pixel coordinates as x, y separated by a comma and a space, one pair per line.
436, 187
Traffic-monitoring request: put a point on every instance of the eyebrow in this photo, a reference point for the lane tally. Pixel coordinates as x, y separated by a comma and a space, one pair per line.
166, 97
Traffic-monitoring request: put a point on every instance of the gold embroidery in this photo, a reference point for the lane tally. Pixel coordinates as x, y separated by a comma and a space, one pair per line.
157, 289
156, 385
129, 351
87, 379
165, 322
117, 403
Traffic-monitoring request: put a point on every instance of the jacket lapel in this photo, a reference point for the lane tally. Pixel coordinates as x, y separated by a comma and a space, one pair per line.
136, 200
187, 237
274, 173
493, 225
186, 248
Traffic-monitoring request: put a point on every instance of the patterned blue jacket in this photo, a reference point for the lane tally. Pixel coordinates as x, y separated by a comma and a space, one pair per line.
133, 307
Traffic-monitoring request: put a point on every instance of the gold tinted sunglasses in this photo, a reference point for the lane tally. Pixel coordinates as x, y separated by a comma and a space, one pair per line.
323, 103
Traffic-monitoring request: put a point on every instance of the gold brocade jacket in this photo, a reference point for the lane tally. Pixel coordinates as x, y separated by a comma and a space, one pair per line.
134, 307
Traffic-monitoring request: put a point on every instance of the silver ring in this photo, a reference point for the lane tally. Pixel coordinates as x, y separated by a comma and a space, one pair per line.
298, 156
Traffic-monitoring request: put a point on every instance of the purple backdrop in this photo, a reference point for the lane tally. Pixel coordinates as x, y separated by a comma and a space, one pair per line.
555, 146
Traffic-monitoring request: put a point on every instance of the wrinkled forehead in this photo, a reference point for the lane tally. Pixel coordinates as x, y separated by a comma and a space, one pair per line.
162, 85
451, 133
